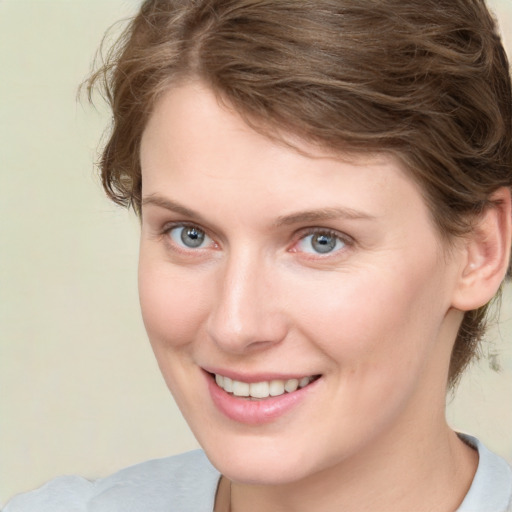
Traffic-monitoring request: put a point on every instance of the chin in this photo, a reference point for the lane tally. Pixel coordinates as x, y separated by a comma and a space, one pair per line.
259, 471
260, 462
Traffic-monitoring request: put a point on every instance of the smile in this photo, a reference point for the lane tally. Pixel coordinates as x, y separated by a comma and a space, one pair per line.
264, 389
259, 399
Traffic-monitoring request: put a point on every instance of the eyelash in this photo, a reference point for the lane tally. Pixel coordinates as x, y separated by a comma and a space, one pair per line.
299, 237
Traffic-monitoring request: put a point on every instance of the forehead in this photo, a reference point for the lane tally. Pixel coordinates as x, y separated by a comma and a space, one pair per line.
192, 113
196, 147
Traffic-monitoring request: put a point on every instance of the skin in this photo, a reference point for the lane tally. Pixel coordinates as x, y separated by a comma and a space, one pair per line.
375, 317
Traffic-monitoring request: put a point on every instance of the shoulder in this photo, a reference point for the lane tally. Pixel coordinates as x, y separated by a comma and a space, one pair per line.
182, 483
491, 489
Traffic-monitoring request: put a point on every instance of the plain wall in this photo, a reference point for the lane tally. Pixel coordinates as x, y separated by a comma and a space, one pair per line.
80, 390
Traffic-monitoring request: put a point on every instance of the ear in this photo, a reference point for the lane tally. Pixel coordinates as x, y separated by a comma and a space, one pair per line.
486, 254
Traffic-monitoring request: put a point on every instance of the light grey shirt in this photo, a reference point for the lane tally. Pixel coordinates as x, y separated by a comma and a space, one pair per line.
188, 482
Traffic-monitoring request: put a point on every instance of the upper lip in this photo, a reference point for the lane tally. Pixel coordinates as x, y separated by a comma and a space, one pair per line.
256, 377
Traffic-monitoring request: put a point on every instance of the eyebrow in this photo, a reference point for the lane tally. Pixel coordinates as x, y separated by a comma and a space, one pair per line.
322, 214
315, 215
172, 206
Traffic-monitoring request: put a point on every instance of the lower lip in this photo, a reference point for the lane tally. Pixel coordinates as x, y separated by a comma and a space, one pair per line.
256, 412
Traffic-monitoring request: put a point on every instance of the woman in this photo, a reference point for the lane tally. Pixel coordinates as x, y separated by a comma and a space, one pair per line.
325, 200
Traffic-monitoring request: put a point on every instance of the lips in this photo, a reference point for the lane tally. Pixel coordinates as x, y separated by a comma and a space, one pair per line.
257, 400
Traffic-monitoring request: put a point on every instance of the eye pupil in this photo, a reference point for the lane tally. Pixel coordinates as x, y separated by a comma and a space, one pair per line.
192, 237
323, 243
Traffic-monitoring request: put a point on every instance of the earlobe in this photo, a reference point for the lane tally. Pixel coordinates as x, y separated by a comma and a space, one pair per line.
487, 254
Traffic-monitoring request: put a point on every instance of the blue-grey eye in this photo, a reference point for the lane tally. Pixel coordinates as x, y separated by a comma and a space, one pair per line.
190, 237
320, 243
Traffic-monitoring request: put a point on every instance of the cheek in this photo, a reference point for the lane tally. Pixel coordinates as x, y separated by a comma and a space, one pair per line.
372, 322
378, 334
173, 304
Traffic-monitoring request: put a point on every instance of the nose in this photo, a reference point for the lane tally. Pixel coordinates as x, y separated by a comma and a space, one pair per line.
246, 314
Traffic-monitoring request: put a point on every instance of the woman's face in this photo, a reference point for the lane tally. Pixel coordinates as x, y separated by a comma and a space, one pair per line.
274, 268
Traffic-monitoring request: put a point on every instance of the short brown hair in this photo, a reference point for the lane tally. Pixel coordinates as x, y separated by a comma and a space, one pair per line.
427, 80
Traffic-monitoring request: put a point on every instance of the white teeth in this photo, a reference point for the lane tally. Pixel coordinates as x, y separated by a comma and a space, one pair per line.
291, 385
276, 387
262, 389
240, 388
304, 381
228, 385
259, 389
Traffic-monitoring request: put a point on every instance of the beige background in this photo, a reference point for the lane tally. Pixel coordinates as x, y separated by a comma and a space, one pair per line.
80, 392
